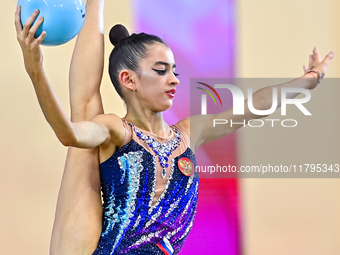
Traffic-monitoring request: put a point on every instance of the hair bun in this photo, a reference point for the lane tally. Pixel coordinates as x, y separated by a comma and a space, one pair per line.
118, 33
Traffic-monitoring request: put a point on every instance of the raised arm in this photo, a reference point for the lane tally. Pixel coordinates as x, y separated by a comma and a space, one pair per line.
83, 134
202, 129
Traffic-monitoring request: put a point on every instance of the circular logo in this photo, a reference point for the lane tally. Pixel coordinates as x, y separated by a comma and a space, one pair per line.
186, 166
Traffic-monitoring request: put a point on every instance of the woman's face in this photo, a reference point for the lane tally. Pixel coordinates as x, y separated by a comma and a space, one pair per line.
156, 79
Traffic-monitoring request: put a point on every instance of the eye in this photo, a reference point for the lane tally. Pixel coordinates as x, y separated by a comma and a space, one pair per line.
160, 72
176, 74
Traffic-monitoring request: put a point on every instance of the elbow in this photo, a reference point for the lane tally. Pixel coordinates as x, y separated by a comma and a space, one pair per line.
65, 142
67, 136
68, 141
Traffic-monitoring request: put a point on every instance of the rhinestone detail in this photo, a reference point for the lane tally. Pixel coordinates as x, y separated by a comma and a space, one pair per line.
162, 150
131, 161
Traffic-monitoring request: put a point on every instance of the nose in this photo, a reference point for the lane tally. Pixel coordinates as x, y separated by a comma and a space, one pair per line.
174, 80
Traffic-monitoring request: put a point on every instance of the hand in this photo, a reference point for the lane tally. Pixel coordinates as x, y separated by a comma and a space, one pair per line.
316, 64
30, 46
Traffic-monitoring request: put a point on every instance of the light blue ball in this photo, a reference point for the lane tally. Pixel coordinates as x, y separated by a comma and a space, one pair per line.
63, 19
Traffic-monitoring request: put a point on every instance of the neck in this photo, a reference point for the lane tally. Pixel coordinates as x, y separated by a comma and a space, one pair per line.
150, 121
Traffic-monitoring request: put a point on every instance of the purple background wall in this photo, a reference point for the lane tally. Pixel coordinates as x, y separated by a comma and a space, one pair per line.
201, 35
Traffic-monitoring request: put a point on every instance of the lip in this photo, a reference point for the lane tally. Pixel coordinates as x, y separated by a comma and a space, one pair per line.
171, 93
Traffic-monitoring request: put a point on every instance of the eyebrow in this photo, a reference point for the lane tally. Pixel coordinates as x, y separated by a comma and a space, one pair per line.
164, 63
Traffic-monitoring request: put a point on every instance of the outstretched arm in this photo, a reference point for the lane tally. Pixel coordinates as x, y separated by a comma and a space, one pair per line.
202, 129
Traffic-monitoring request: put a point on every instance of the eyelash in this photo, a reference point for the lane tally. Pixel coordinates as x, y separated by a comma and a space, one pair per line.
162, 72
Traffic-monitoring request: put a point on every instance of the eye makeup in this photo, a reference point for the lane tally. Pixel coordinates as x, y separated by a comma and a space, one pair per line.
162, 72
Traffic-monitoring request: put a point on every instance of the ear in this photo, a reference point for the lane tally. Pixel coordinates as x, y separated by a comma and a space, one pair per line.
126, 78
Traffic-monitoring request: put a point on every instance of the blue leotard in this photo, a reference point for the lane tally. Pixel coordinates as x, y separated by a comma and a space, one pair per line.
132, 222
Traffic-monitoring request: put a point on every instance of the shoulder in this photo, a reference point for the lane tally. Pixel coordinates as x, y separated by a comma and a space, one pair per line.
194, 127
111, 118
184, 124
115, 126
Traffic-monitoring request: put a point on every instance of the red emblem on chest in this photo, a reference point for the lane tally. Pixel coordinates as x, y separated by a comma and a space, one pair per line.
186, 166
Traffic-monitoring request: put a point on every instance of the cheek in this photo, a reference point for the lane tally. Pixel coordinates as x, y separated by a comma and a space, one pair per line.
151, 86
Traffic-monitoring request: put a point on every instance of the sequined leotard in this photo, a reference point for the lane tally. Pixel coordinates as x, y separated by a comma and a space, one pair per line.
137, 216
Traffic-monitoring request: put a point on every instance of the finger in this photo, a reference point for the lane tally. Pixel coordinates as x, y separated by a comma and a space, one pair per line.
332, 53
304, 69
310, 61
18, 25
35, 27
328, 57
41, 38
313, 57
30, 21
317, 55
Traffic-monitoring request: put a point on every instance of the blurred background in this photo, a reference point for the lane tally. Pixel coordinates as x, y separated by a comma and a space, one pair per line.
217, 38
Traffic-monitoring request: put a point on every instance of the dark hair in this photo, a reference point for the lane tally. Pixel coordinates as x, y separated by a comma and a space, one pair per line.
128, 50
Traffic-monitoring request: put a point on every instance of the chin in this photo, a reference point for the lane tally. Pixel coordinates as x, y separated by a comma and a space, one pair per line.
165, 107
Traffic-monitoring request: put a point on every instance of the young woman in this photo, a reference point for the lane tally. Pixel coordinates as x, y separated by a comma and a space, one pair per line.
147, 167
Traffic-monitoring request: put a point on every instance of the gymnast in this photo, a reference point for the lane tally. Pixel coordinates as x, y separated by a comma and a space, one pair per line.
144, 167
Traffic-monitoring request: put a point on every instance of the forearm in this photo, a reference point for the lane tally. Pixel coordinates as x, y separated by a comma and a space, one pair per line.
87, 65
51, 107
84, 134
263, 98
